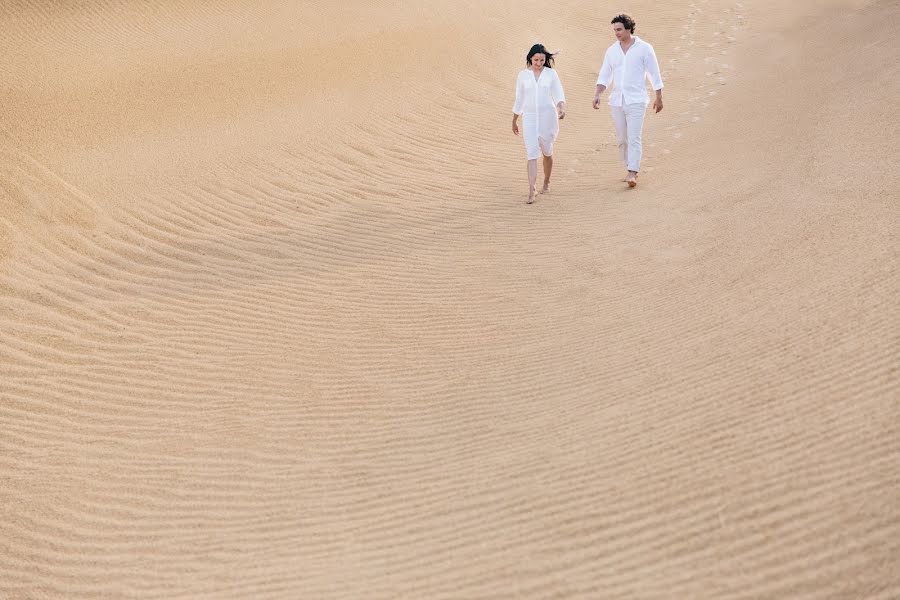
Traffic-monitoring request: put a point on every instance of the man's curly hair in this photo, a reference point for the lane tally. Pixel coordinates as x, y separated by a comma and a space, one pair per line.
626, 21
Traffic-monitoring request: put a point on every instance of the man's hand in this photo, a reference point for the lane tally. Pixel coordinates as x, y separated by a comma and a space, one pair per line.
657, 104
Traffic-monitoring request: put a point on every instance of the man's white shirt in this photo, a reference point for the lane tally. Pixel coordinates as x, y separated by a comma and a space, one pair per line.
628, 71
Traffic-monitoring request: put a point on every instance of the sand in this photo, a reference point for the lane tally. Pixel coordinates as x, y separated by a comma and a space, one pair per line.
275, 321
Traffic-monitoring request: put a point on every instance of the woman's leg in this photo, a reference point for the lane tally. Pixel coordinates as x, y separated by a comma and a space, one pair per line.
548, 168
532, 179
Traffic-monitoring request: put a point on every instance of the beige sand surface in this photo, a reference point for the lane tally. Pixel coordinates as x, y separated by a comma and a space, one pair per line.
275, 321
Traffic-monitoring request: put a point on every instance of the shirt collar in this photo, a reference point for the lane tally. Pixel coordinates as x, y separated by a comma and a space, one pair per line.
637, 41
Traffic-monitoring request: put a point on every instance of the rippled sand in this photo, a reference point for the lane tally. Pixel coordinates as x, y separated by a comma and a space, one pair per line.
275, 321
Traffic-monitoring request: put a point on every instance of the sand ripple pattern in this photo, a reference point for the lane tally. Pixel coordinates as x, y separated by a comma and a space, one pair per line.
275, 321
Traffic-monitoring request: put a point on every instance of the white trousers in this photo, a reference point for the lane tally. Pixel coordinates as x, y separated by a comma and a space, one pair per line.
629, 121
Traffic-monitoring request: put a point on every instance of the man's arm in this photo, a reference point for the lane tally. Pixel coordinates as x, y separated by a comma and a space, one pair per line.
603, 79
600, 89
657, 104
655, 79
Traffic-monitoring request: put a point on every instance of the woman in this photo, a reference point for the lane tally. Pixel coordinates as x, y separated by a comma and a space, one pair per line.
541, 103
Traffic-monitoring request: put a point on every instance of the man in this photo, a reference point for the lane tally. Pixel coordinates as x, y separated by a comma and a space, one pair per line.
628, 62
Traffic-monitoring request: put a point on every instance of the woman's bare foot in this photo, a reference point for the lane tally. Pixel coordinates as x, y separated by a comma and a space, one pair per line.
546, 188
530, 197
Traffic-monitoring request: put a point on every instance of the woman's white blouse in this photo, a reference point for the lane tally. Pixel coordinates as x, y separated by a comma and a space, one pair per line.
538, 97
536, 103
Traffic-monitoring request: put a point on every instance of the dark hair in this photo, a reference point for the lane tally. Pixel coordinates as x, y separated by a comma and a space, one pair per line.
539, 49
626, 21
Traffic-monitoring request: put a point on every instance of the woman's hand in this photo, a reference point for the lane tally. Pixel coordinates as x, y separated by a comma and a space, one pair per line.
561, 110
515, 124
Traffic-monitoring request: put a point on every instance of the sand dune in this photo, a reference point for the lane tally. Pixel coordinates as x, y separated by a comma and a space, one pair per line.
275, 321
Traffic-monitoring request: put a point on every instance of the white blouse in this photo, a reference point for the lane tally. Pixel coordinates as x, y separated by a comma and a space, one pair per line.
538, 97
536, 102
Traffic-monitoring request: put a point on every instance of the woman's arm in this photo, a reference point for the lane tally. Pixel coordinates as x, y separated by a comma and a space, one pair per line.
559, 95
519, 106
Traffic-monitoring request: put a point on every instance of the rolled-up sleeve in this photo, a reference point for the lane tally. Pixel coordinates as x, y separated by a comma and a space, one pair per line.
652, 67
519, 106
606, 73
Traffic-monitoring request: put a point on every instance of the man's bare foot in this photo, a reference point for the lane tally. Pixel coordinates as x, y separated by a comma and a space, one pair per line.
546, 187
631, 179
625, 179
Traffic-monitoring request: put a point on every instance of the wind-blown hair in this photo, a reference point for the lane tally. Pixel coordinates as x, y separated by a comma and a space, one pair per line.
539, 49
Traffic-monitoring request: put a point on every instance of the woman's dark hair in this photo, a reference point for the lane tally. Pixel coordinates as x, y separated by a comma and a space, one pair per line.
626, 21
539, 49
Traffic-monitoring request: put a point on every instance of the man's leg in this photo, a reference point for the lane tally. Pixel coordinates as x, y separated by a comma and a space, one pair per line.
634, 117
621, 125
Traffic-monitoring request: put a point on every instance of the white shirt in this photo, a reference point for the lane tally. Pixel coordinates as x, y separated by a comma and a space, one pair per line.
629, 71
536, 96
536, 101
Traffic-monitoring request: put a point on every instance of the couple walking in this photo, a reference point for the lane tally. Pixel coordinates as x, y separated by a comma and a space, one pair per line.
540, 101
